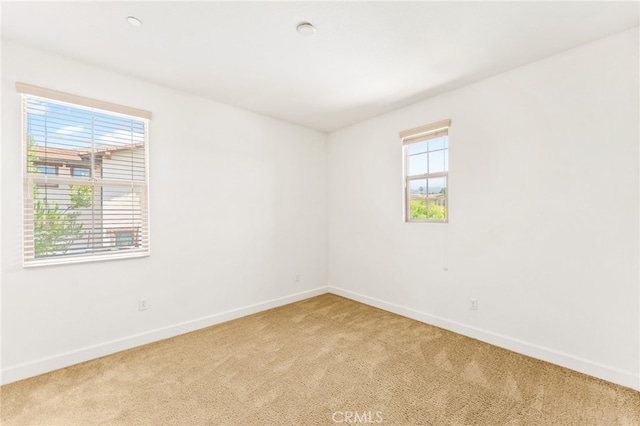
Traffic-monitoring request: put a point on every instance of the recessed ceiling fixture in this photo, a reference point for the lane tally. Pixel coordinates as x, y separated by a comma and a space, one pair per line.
135, 22
305, 29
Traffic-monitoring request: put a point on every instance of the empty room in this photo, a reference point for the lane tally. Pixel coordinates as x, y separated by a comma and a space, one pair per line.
318, 213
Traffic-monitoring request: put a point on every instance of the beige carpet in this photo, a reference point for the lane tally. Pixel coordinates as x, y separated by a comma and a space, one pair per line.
321, 361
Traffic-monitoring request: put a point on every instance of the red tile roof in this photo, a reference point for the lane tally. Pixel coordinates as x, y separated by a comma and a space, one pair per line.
77, 156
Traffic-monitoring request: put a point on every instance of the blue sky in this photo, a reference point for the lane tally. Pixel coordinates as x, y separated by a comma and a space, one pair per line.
70, 127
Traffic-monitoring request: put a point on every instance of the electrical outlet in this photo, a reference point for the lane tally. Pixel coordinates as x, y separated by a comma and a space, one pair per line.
297, 278
473, 304
142, 305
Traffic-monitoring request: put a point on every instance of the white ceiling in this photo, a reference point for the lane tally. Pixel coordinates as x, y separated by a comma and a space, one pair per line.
366, 58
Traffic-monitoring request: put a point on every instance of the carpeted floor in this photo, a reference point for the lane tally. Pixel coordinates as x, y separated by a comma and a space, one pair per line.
321, 361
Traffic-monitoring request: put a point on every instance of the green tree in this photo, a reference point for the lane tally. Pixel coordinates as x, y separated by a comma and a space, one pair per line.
420, 210
55, 229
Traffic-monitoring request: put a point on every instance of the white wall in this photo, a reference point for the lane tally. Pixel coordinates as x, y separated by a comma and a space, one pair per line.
238, 208
543, 227
543, 212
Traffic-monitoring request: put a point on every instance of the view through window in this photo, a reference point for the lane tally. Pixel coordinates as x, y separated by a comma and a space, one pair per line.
85, 183
426, 160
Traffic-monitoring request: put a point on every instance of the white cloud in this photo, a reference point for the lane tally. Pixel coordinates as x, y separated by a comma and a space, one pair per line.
67, 130
121, 137
37, 107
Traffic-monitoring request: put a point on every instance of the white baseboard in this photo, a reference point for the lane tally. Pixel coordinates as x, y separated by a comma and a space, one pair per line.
45, 365
571, 362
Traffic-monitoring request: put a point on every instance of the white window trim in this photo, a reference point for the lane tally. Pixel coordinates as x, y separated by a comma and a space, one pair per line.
83, 102
415, 135
55, 95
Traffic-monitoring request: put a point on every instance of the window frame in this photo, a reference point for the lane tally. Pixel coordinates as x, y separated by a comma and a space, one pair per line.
73, 172
141, 232
416, 135
54, 167
113, 235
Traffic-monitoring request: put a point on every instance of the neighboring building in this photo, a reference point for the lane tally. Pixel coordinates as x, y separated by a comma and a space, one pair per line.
114, 218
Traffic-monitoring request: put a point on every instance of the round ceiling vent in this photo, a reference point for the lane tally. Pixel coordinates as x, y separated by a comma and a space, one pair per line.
135, 22
305, 29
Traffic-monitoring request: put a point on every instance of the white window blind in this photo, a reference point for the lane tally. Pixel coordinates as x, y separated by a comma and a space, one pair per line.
426, 172
85, 179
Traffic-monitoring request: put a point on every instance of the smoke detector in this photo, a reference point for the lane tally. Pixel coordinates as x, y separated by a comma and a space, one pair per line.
305, 29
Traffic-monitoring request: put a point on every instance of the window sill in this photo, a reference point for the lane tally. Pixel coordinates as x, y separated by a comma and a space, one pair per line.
83, 259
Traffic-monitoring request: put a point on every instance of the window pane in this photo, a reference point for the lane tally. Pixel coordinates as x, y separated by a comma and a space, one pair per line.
435, 144
418, 208
437, 198
79, 219
123, 163
437, 185
63, 134
124, 238
418, 199
418, 187
46, 170
437, 209
61, 219
417, 148
436, 162
81, 172
121, 213
417, 164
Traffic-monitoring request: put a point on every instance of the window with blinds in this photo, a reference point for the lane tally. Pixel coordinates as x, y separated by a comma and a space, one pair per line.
426, 172
85, 178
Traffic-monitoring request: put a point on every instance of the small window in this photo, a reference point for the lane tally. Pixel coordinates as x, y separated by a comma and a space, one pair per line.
86, 179
426, 172
127, 237
47, 170
80, 172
